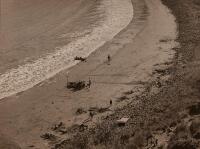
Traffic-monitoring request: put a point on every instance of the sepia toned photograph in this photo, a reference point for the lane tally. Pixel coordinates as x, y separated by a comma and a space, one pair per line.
99, 74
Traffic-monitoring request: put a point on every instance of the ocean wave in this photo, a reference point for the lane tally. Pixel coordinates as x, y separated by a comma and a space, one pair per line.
118, 15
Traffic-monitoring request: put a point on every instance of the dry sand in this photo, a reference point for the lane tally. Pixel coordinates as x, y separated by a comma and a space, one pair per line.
168, 111
148, 40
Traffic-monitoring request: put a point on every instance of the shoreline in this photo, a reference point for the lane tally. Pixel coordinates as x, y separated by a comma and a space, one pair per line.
30, 74
109, 81
166, 115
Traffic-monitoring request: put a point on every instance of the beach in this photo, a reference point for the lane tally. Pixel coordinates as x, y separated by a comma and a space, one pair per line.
144, 43
166, 113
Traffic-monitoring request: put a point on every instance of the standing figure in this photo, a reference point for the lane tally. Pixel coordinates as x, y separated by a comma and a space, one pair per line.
67, 78
91, 114
110, 102
109, 59
89, 83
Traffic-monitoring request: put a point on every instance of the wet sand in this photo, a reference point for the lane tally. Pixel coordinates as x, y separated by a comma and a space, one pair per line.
134, 51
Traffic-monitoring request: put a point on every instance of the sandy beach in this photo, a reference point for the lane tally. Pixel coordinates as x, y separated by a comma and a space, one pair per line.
137, 50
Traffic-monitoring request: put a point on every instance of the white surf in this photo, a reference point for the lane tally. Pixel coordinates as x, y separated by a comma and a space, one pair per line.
118, 14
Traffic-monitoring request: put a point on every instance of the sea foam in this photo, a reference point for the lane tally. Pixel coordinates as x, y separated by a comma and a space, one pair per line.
118, 14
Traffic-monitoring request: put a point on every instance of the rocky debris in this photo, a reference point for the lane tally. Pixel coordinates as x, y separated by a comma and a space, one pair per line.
160, 71
129, 92
181, 130
158, 84
77, 128
159, 109
80, 111
48, 136
99, 109
138, 140
57, 126
61, 144
83, 127
122, 98
103, 134
194, 109
78, 142
143, 138
76, 86
80, 59
195, 128
182, 144
122, 121
102, 110
166, 39
60, 128
198, 85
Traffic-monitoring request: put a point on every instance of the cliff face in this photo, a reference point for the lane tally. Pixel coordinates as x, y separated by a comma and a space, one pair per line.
187, 13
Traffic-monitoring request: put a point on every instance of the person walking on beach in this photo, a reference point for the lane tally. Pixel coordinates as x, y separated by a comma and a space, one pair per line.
110, 102
91, 115
89, 83
109, 59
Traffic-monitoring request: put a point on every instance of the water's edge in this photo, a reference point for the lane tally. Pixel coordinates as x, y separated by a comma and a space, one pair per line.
118, 14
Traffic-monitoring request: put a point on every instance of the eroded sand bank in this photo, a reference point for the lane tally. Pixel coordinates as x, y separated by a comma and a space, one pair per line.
135, 51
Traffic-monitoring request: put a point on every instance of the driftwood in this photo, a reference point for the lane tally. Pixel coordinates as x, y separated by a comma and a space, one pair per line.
60, 128
48, 136
80, 59
99, 109
122, 121
75, 86
80, 111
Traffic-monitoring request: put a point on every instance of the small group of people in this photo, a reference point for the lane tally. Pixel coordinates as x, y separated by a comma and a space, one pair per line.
89, 81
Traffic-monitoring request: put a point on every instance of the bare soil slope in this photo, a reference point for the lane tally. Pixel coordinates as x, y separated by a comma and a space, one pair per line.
171, 117
157, 109
146, 44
